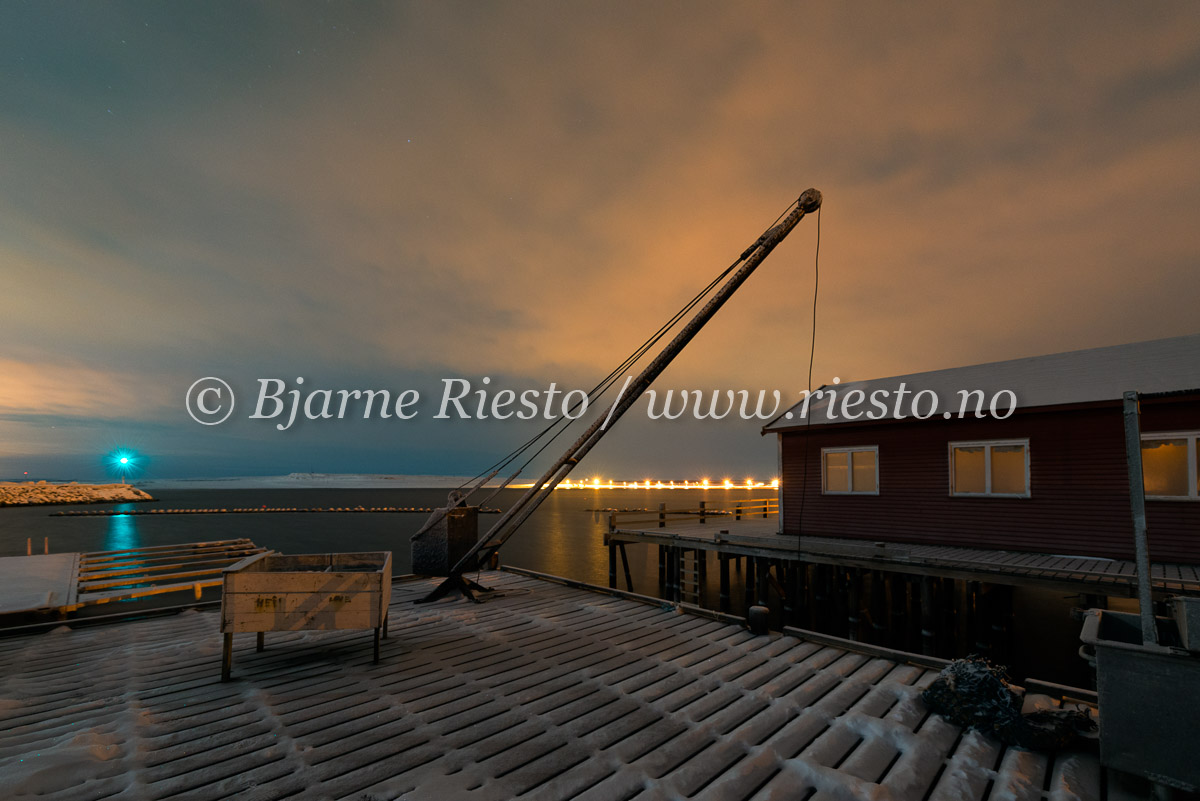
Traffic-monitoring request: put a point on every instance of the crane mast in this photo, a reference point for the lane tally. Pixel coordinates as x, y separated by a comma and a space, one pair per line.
491, 542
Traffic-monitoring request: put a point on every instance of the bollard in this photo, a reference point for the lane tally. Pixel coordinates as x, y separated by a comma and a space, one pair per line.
29, 547
756, 617
46, 545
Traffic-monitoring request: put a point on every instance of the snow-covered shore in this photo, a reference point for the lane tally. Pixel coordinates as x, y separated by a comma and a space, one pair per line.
37, 493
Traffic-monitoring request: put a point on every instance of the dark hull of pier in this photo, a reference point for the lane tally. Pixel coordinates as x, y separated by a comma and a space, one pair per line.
938, 601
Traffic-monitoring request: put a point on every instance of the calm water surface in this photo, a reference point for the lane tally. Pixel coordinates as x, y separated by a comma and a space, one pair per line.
562, 537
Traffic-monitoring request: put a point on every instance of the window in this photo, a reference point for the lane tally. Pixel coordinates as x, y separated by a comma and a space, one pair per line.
850, 471
997, 467
1170, 465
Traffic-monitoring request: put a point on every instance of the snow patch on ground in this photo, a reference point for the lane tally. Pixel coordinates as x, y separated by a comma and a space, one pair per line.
66, 764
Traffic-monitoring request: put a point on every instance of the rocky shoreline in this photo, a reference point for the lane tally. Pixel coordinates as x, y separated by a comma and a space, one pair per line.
41, 493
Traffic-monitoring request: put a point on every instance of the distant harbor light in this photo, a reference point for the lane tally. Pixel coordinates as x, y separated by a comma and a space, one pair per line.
599, 482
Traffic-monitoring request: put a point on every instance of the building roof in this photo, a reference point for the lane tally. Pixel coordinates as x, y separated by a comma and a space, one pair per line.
1079, 376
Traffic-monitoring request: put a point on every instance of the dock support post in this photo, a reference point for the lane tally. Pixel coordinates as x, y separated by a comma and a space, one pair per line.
702, 512
787, 578
763, 567
821, 600
928, 637
999, 613
879, 607
750, 576
723, 564
979, 621
662, 515
799, 591
853, 602
612, 565
625, 564
897, 589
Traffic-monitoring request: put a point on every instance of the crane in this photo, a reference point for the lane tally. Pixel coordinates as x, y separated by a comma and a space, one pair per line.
491, 542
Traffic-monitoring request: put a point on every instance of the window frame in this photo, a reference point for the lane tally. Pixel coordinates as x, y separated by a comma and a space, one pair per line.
1193, 443
987, 445
850, 449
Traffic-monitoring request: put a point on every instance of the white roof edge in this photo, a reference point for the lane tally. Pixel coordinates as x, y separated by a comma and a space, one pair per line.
1080, 376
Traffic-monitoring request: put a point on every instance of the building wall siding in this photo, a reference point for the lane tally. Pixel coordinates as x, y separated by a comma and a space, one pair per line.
1079, 488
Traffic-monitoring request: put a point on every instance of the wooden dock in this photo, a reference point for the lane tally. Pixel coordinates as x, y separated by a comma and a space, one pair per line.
544, 691
758, 538
64, 583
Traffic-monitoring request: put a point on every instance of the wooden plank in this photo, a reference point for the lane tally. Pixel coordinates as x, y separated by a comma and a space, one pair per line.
281, 582
318, 619
157, 548
85, 598
90, 586
291, 603
188, 557
150, 571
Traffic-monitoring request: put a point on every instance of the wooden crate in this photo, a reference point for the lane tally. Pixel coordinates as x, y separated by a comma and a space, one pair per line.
274, 592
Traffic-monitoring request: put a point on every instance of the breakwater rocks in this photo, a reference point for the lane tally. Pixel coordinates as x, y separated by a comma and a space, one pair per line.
36, 493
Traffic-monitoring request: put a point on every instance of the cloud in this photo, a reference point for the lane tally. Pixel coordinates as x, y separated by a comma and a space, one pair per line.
454, 189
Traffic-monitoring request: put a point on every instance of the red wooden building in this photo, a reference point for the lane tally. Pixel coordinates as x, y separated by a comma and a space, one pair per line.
1043, 469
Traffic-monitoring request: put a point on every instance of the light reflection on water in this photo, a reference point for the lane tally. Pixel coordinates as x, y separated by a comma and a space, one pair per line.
122, 531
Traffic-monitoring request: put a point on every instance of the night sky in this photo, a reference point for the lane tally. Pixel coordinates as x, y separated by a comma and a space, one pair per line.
388, 195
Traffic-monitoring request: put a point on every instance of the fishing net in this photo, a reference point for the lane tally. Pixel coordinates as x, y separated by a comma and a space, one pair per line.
975, 694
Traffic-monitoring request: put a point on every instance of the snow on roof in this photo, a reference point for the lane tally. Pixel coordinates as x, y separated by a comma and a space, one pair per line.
1080, 376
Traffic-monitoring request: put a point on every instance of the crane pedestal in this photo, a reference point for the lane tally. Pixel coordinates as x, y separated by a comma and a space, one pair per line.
446, 542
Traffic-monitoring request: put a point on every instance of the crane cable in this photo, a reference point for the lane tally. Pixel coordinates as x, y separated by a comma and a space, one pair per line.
812, 350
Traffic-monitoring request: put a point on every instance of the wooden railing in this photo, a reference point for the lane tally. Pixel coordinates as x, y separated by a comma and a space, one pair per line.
751, 508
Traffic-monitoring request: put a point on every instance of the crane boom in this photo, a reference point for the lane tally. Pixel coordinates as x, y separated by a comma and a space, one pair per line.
491, 542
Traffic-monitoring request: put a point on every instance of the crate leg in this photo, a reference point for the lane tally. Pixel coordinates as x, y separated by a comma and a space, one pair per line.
385, 625
260, 643
377, 635
227, 657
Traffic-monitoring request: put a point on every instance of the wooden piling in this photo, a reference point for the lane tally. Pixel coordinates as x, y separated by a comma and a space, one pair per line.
750, 581
763, 567
853, 603
928, 617
723, 566
625, 565
612, 565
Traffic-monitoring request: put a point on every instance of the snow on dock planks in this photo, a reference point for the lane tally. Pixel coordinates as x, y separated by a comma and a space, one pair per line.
252, 510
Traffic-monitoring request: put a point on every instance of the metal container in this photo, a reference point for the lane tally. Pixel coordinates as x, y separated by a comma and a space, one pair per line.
1149, 698
1187, 618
